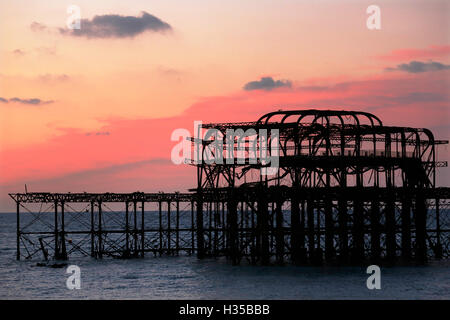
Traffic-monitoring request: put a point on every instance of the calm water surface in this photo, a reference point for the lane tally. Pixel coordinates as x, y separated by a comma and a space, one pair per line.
188, 278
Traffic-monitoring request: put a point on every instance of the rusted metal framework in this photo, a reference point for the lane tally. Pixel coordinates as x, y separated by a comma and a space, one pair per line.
347, 189
344, 189
119, 225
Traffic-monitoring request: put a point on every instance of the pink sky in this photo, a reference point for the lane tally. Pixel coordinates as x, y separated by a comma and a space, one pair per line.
107, 106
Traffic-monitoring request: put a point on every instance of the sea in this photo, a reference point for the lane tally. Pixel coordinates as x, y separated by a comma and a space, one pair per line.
186, 277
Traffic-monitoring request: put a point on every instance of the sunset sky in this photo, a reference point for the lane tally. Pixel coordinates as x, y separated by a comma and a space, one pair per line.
93, 109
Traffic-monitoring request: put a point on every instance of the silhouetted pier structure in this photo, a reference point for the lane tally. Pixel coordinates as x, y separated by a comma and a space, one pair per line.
346, 190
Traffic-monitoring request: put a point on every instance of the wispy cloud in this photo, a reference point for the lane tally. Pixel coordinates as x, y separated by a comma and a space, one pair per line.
116, 168
18, 52
46, 50
166, 71
53, 77
267, 84
100, 133
418, 67
32, 101
408, 54
38, 27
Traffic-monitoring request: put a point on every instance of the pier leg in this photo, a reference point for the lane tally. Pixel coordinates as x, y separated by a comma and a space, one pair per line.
135, 235
100, 232
199, 221
160, 228
177, 235
63, 235
318, 253
210, 227
263, 225
302, 234
390, 230
56, 254
255, 238
310, 218
92, 231
375, 231
295, 230
406, 227
420, 221
44, 252
329, 226
18, 230
279, 233
169, 247
216, 227
233, 234
343, 232
127, 233
192, 228
224, 228
272, 226
358, 232
241, 225
142, 230
438, 249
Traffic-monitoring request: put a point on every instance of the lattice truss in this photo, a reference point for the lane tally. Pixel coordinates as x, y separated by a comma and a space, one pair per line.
103, 229
357, 188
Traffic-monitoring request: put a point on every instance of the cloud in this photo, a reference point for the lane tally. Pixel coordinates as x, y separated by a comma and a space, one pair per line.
267, 84
314, 88
32, 101
418, 67
415, 97
100, 133
407, 54
111, 169
420, 101
117, 26
18, 52
54, 77
38, 27
165, 71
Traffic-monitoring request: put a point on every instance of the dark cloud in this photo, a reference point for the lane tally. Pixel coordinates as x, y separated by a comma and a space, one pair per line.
100, 133
117, 26
32, 101
417, 67
267, 83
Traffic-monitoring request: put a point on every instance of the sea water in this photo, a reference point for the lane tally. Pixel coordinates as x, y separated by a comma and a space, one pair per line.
186, 277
